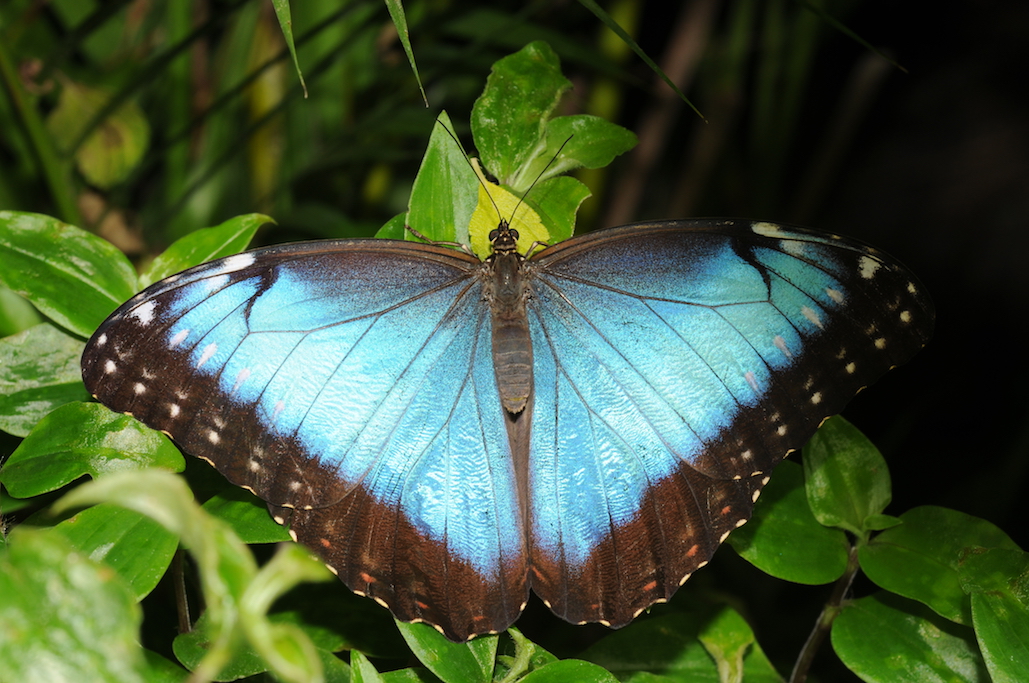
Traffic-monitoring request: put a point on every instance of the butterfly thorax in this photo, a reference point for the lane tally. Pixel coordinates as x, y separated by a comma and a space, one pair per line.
507, 293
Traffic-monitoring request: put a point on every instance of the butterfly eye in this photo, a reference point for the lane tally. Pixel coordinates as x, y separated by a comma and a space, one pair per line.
514, 234
493, 235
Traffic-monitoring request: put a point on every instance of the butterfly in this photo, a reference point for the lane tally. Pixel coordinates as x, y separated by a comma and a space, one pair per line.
588, 422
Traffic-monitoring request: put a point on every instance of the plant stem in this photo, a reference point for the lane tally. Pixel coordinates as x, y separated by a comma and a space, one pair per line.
829, 612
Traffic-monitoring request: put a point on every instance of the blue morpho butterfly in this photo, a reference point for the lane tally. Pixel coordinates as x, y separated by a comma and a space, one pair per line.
588, 422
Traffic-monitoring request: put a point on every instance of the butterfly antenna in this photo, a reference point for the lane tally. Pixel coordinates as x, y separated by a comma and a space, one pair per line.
549, 164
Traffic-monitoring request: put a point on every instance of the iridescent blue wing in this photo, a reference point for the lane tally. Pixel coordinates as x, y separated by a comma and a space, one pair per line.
675, 364
353, 382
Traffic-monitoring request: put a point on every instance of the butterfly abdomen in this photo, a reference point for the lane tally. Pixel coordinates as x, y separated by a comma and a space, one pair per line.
512, 348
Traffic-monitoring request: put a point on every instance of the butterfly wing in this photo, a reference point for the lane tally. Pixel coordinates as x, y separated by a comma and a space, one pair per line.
676, 364
352, 382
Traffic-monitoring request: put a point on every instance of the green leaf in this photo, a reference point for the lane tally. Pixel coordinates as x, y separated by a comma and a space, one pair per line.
74, 278
247, 515
1002, 630
570, 670
885, 638
727, 637
236, 594
394, 228
584, 141
16, 314
136, 547
363, 670
63, 616
847, 479
39, 371
84, 438
452, 662
445, 191
784, 539
920, 558
113, 149
509, 119
282, 13
206, 244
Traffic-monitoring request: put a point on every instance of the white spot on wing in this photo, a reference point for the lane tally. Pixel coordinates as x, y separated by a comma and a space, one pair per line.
812, 316
751, 380
868, 267
816, 397
179, 337
240, 378
905, 316
835, 295
851, 368
102, 339
174, 410
110, 366
234, 263
209, 351
144, 313
766, 229
213, 437
138, 388
780, 344
880, 343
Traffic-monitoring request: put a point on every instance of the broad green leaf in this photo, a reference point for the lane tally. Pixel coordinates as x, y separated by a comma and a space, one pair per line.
920, 558
887, 639
363, 670
74, 278
207, 244
113, 149
247, 515
39, 371
471, 661
445, 190
847, 478
510, 117
64, 617
784, 539
136, 547
84, 438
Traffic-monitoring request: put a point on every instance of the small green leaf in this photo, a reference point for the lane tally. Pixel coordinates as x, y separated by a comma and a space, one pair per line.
452, 662
920, 558
363, 670
63, 616
847, 478
136, 547
16, 314
510, 117
113, 149
785, 540
584, 141
570, 670
885, 638
727, 638
206, 244
394, 228
74, 278
39, 371
84, 438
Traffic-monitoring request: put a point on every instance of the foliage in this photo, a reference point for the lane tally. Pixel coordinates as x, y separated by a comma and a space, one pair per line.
952, 595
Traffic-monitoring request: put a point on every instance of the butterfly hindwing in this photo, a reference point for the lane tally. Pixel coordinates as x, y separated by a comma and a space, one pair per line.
353, 382
676, 364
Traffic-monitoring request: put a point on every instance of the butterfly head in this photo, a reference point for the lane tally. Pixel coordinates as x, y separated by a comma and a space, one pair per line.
504, 238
